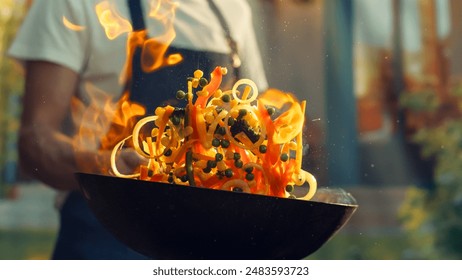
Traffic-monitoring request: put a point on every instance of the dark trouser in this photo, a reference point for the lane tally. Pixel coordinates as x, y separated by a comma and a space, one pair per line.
82, 237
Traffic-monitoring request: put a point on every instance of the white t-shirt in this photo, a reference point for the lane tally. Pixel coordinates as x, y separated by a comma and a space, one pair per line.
99, 60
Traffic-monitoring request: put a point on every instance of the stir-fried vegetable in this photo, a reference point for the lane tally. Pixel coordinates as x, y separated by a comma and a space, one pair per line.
232, 140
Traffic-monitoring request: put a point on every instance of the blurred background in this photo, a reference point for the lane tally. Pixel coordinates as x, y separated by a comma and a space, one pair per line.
382, 79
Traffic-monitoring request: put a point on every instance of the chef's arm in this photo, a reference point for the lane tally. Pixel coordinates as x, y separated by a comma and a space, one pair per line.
44, 151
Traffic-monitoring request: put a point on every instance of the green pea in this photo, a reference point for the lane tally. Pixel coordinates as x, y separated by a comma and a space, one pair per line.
289, 188
184, 178
216, 142
284, 157
221, 130
249, 176
238, 163
203, 82
225, 143
229, 173
211, 164
180, 94
242, 113
262, 149
226, 98
271, 111
236, 156
249, 169
218, 157
176, 120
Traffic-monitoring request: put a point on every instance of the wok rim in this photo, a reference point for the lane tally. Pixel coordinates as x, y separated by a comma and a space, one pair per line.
145, 183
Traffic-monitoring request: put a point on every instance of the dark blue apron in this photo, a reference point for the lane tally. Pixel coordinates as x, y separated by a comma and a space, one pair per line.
81, 236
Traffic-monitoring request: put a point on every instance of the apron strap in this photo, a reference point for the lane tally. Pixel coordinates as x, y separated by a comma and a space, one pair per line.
234, 55
138, 24
136, 15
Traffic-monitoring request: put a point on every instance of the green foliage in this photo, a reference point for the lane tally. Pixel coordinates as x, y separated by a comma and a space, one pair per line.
11, 84
367, 246
424, 101
433, 218
26, 244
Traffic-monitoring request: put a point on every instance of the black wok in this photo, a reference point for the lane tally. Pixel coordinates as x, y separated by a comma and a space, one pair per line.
165, 221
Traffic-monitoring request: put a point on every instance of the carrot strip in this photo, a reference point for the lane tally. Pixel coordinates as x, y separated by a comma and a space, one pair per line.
210, 89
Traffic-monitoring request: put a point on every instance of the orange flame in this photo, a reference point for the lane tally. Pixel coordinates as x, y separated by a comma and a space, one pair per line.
154, 49
113, 23
72, 26
101, 123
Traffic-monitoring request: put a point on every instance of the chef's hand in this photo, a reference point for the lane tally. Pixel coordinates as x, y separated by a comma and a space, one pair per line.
128, 161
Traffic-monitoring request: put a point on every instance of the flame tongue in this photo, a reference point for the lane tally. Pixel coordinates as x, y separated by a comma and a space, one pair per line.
71, 25
104, 122
154, 50
113, 23
101, 125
